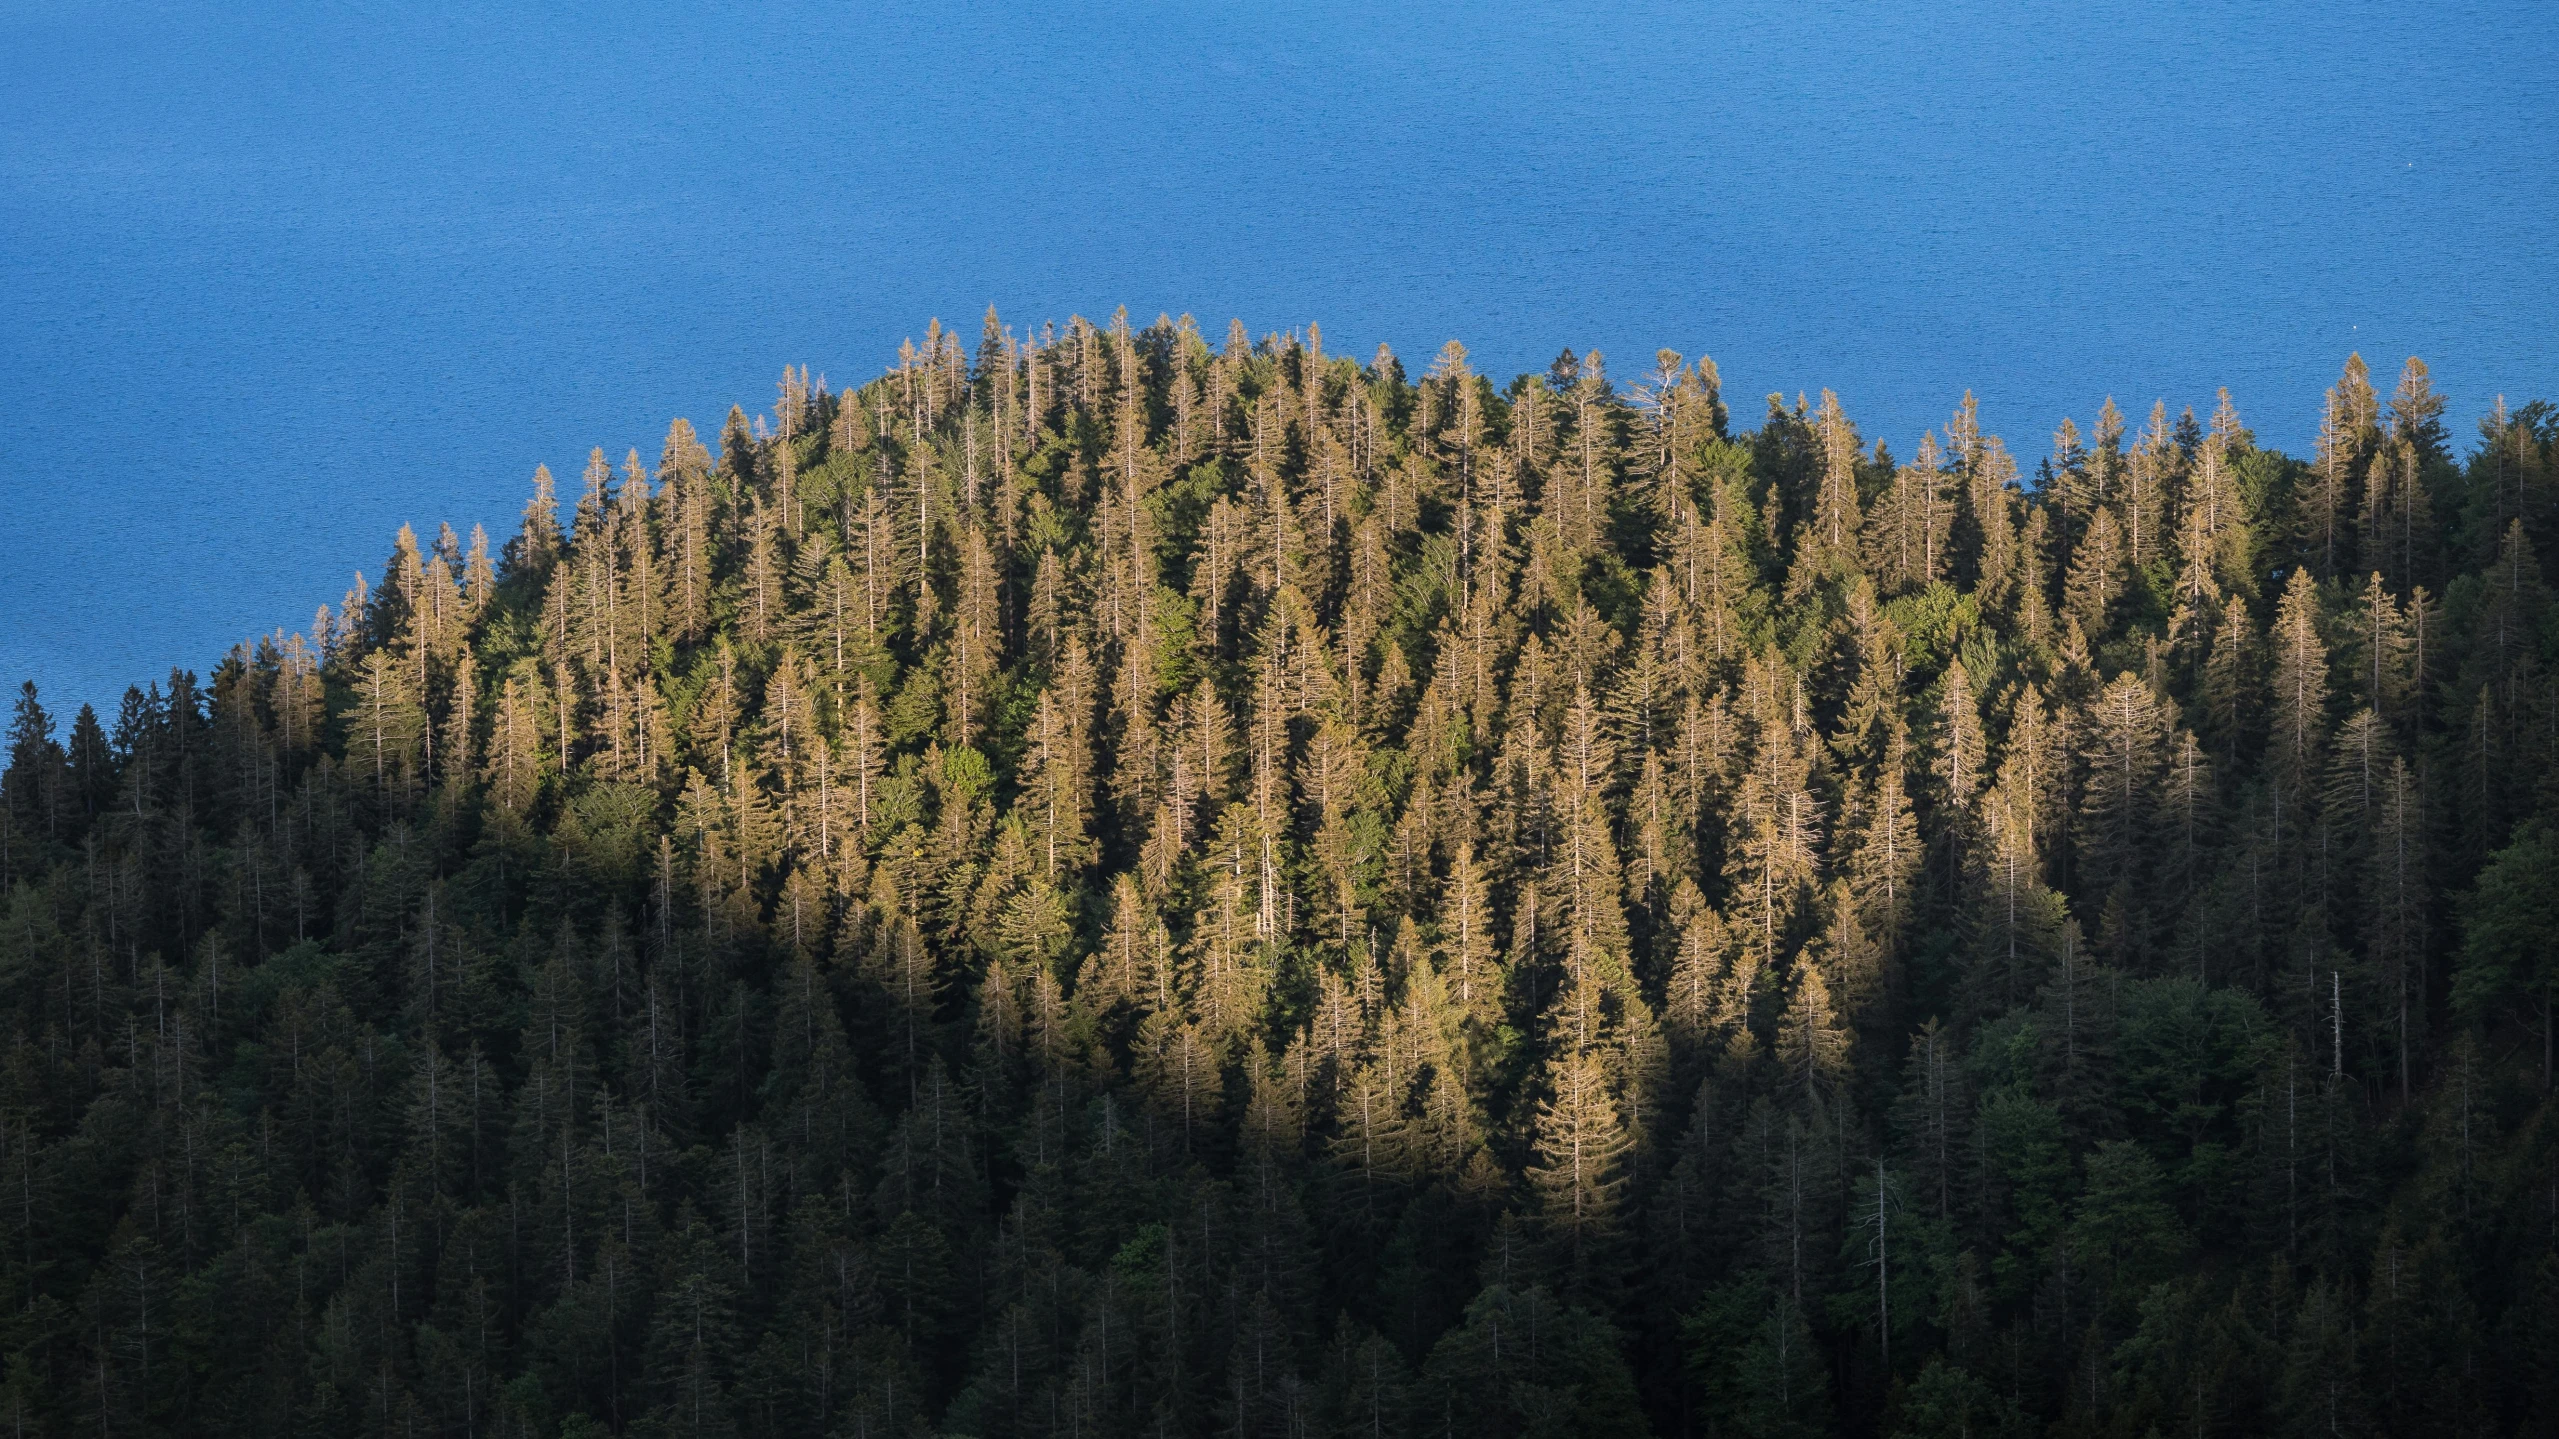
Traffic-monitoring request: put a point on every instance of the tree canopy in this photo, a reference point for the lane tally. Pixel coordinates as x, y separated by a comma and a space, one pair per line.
1110, 884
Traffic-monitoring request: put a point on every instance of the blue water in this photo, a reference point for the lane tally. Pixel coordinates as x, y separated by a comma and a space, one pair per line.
275, 278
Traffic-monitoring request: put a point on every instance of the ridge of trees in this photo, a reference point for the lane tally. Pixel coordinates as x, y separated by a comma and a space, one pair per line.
1110, 885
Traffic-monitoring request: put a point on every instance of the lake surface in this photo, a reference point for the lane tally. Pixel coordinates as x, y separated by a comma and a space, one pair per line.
275, 278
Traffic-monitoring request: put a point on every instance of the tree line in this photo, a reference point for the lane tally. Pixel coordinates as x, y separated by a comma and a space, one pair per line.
1110, 885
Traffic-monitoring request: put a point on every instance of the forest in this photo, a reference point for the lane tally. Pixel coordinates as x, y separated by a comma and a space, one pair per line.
1104, 884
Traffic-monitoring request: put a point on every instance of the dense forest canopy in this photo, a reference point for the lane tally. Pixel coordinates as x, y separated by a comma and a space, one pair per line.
1115, 885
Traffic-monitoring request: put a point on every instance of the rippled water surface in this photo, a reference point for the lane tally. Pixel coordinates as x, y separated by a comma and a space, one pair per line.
274, 278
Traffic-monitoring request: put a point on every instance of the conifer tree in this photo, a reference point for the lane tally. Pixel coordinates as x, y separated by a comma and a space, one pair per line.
2347, 431
386, 729
2127, 740
2298, 705
1581, 1151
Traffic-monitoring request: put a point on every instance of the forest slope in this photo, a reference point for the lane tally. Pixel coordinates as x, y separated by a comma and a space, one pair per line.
1116, 886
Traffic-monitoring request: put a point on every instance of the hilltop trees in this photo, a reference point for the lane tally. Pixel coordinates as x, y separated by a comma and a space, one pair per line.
1111, 883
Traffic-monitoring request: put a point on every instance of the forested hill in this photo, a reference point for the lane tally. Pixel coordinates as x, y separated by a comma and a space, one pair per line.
1115, 886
